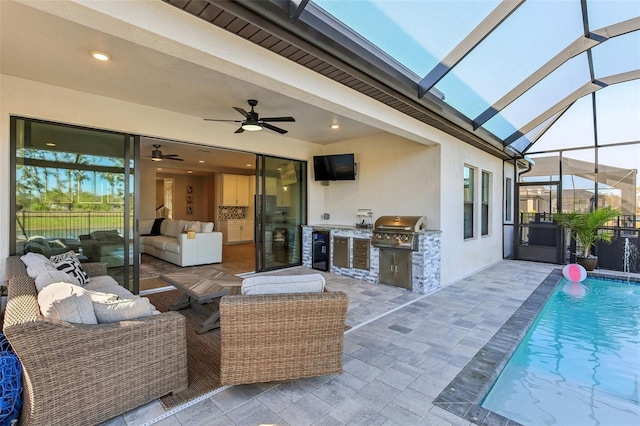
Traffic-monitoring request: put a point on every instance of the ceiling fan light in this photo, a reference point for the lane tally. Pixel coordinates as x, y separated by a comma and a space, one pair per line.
251, 126
156, 155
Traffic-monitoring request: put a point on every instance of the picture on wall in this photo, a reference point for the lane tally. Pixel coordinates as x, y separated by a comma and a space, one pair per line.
189, 189
189, 199
189, 209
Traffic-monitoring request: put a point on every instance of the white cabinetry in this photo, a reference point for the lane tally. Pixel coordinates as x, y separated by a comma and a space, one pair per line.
235, 190
237, 231
282, 193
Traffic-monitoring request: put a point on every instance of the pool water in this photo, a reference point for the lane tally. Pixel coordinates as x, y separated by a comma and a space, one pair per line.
579, 363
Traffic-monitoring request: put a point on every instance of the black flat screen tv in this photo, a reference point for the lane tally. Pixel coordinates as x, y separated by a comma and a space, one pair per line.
334, 167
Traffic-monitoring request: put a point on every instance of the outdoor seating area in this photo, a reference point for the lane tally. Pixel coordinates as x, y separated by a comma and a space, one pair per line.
73, 373
401, 349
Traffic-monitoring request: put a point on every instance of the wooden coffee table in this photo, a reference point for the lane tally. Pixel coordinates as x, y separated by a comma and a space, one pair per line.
202, 289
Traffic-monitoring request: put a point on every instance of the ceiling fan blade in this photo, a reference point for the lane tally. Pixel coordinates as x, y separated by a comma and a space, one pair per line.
241, 111
166, 157
274, 128
280, 119
240, 130
214, 119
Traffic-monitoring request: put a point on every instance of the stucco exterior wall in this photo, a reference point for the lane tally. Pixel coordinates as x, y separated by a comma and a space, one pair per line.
410, 168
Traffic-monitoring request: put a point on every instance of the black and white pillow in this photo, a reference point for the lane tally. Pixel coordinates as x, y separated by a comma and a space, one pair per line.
74, 269
64, 256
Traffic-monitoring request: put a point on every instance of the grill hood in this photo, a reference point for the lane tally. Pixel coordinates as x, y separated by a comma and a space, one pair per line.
401, 223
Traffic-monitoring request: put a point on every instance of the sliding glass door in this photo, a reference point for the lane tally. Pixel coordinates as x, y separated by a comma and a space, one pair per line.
72, 189
281, 200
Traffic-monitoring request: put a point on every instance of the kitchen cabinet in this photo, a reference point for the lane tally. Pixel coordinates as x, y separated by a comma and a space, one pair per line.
395, 268
341, 252
237, 231
235, 190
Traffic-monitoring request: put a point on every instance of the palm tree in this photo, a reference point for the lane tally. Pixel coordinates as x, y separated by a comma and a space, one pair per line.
585, 227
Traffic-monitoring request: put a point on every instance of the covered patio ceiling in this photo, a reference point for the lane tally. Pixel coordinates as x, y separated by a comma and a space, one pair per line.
496, 74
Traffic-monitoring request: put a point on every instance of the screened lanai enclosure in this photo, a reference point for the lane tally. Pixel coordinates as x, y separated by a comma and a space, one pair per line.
552, 87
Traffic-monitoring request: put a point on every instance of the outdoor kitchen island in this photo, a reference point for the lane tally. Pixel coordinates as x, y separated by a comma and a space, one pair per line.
416, 268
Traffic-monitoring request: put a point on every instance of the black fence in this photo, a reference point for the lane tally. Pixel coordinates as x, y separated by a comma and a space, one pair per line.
67, 225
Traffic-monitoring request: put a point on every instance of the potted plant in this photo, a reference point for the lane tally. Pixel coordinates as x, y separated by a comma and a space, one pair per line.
585, 229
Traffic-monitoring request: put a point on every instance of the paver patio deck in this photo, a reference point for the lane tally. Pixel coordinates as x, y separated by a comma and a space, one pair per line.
403, 349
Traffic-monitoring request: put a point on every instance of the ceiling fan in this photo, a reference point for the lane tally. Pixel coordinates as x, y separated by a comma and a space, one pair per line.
156, 155
252, 121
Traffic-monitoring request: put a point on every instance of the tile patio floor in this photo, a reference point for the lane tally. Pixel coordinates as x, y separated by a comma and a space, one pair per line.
401, 352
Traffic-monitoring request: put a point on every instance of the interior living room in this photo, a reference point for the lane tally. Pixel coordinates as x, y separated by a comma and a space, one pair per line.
184, 185
350, 204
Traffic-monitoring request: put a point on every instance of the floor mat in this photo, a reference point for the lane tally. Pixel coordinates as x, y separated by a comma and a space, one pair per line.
203, 353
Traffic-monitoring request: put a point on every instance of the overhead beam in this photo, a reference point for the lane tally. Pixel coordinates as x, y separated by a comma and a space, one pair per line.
475, 37
582, 44
586, 89
296, 7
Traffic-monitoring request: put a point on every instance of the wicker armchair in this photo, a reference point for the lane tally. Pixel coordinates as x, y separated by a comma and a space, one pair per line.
78, 374
281, 336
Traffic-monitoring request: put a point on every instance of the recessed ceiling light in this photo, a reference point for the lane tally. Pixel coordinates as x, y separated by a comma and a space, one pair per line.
335, 126
50, 144
159, 168
200, 161
249, 164
189, 171
101, 56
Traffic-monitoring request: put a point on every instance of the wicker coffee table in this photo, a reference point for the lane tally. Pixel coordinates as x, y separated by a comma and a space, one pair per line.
202, 289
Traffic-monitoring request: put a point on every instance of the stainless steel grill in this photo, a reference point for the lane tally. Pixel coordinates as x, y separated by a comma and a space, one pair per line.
398, 232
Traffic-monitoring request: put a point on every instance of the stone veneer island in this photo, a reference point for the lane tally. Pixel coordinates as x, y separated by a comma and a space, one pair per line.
425, 271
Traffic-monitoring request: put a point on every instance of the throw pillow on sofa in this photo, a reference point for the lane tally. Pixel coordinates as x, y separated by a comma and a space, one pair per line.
38, 268
64, 256
106, 284
31, 259
123, 309
50, 277
67, 302
73, 268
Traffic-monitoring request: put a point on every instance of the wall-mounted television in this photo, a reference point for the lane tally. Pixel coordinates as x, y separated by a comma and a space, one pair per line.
334, 167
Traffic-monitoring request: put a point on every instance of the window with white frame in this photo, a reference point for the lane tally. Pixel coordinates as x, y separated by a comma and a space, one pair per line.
468, 201
484, 228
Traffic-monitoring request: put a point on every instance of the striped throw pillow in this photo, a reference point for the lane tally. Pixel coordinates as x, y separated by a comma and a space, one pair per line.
74, 269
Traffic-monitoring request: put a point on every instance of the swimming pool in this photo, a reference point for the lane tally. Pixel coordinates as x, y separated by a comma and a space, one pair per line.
579, 363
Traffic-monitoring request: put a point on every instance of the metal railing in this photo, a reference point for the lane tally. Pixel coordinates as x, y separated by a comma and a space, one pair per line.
56, 224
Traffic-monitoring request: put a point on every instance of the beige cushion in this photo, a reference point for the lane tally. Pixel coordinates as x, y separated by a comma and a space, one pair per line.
39, 268
100, 297
270, 284
31, 258
106, 284
55, 276
206, 227
194, 226
145, 225
122, 310
66, 302
169, 228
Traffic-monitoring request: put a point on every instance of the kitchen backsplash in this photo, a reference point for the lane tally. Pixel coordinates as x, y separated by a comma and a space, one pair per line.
231, 212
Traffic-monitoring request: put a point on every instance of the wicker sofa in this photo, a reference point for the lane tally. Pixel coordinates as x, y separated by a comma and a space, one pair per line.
79, 374
271, 337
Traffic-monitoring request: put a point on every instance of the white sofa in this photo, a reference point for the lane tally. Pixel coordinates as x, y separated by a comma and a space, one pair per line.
174, 245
